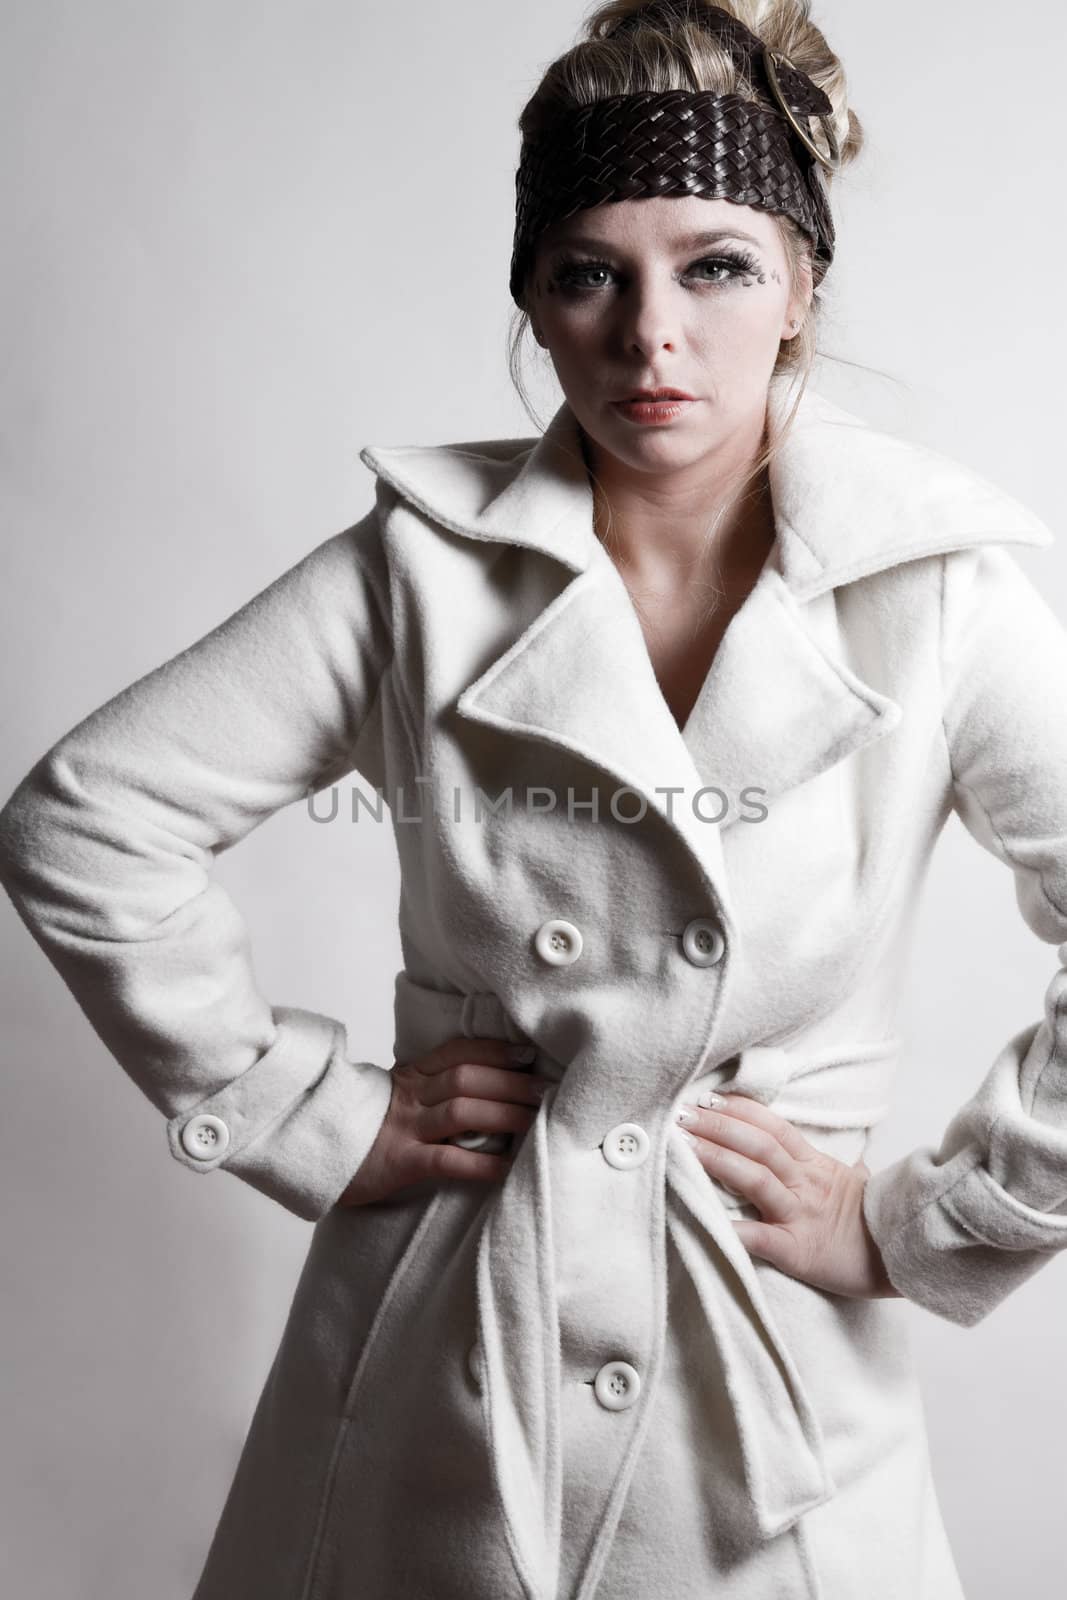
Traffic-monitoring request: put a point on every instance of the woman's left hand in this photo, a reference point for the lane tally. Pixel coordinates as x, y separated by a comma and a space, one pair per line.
811, 1206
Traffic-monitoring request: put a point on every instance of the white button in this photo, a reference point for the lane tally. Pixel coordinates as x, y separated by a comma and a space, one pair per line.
558, 942
471, 1141
491, 1142
617, 1385
702, 942
625, 1146
474, 1363
205, 1137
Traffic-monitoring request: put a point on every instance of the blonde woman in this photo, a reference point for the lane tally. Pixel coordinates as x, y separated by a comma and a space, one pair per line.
602, 1298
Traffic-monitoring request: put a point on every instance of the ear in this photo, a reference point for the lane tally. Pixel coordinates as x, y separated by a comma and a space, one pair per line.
799, 302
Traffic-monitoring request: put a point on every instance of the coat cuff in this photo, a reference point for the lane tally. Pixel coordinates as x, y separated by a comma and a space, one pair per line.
964, 1249
297, 1124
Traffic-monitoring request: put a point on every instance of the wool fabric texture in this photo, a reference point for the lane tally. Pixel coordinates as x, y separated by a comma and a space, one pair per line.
434, 1422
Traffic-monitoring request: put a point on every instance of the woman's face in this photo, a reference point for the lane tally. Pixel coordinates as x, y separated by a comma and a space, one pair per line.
634, 295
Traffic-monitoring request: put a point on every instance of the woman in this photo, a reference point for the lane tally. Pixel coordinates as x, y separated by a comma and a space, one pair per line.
680, 718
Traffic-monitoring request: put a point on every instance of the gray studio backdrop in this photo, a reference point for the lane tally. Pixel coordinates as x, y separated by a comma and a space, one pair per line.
243, 240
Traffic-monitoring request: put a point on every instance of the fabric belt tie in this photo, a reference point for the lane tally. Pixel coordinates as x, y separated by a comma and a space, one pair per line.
781, 1442
780, 1439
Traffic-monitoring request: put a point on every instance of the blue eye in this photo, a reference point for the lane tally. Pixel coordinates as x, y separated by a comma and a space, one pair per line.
733, 267
573, 273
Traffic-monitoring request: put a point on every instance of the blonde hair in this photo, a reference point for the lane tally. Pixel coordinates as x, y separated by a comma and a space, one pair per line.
662, 45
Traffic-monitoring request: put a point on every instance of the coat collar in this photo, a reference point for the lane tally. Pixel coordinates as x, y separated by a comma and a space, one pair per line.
779, 705
849, 499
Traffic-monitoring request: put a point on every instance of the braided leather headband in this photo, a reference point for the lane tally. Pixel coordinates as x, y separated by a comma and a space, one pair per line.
679, 142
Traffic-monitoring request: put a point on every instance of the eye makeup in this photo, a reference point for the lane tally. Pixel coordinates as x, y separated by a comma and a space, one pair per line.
570, 270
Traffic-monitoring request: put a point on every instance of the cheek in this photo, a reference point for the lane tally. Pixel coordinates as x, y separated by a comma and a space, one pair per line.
564, 318
750, 320
572, 338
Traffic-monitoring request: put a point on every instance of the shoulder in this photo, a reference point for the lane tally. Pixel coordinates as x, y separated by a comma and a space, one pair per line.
344, 571
851, 499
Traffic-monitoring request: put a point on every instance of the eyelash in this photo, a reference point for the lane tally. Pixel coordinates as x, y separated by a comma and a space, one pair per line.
741, 264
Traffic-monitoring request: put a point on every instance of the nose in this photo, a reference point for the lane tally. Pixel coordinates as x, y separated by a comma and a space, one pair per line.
650, 316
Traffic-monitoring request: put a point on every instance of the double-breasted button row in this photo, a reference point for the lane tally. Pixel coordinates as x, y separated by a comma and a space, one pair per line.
559, 942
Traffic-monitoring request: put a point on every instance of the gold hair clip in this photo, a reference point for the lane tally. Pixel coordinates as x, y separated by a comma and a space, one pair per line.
829, 162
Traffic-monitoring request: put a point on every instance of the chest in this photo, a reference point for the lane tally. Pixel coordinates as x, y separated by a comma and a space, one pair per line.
683, 632
540, 745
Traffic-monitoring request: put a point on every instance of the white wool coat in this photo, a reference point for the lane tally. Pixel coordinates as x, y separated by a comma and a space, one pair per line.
576, 1381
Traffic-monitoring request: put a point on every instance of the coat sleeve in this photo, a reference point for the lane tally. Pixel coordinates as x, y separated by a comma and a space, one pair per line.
107, 847
961, 1226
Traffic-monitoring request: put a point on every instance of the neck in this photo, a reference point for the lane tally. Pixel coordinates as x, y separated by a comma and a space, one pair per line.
668, 527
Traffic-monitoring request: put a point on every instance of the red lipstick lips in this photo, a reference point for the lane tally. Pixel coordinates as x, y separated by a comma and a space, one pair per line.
651, 406
657, 394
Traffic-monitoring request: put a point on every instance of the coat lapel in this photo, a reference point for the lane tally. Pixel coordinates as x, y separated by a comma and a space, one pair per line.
579, 675
580, 678
778, 706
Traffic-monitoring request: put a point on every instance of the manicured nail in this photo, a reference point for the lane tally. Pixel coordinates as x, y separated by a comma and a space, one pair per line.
522, 1052
688, 1137
709, 1099
687, 1114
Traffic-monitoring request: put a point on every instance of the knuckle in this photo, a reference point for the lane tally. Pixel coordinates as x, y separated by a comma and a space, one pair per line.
460, 1111
442, 1056
440, 1159
419, 1124
746, 1182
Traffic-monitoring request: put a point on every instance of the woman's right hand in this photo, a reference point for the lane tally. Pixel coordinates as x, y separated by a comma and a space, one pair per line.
464, 1084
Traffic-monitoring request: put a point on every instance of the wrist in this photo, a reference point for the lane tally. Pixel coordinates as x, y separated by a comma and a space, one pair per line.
883, 1287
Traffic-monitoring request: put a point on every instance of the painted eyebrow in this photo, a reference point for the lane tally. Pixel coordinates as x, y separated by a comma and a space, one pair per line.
689, 241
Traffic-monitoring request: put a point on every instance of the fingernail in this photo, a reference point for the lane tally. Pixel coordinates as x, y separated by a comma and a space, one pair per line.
709, 1099
687, 1114
522, 1052
688, 1137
